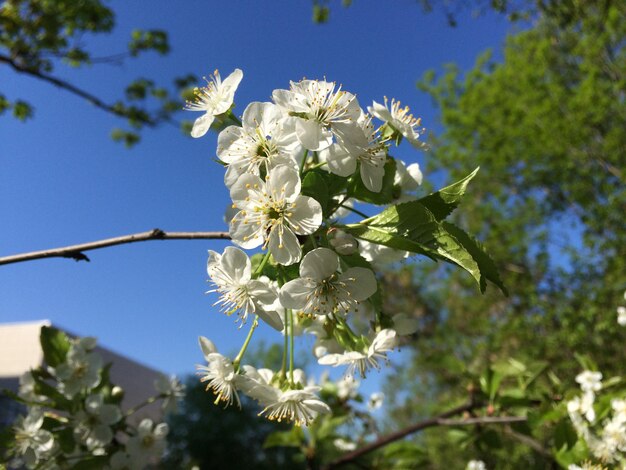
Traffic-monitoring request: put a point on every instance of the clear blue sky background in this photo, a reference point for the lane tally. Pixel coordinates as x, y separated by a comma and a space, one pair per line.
63, 181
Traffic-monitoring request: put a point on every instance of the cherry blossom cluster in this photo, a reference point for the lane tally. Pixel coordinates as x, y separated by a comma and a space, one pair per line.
74, 413
295, 167
604, 435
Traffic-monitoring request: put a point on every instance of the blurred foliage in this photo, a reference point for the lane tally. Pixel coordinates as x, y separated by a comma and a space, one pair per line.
546, 125
39, 37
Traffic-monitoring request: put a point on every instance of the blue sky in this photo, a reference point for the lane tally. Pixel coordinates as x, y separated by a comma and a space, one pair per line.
63, 181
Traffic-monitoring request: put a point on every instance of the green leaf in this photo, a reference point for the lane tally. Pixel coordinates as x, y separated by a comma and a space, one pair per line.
357, 189
55, 345
314, 185
92, 463
292, 438
487, 268
441, 203
564, 435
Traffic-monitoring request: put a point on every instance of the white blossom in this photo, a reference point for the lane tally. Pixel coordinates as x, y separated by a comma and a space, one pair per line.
149, 442
321, 290
260, 144
271, 213
400, 120
344, 445
214, 99
93, 424
231, 274
319, 112
342, 242
80, 371
172, 391
219, 373
621, 316
384, 342
375, 401
476, 465
589, 381
31, 442
300, 405
407, 179
361, 147
380, 255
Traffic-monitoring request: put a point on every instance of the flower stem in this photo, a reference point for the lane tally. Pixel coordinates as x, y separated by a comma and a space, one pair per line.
234, 118
318, 165
304, 157
283, 368
352, 209
144, 403
259, 268
291, 348
237, 360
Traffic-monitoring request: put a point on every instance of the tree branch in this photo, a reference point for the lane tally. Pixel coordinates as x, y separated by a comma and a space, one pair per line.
76, 251
389, 438
441, 420
72, 89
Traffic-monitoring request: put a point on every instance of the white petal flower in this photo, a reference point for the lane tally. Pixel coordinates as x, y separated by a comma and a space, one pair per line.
93, 425
347, 387
320, 112
321, 290
149, 442
214, 99
476, 465
31, 442
271, 213
262, 143
231, 274
408, 179
375, 401
400, 120
590, 381
621, 316
79, 372
384, 342
344, 445
300, 406
361, 146
342, 242
27, 389
219, 374
380, 255
172, 391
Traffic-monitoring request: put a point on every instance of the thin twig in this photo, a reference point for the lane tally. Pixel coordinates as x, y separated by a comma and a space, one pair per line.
72, 89
76, 251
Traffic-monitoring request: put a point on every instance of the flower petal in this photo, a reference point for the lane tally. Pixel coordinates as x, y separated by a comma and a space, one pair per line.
202, 125
306, 215
294, 293
319, 264
312, 135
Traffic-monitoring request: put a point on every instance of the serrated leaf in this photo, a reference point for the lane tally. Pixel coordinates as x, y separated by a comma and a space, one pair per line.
55, 345
410, 226
441, 203
487, 268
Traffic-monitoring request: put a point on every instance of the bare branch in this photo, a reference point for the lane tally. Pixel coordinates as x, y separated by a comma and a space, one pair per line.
76, 251
483, 420
441, 420
389, 438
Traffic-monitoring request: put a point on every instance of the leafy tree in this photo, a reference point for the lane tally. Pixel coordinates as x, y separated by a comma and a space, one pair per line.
546, 125
38, 37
